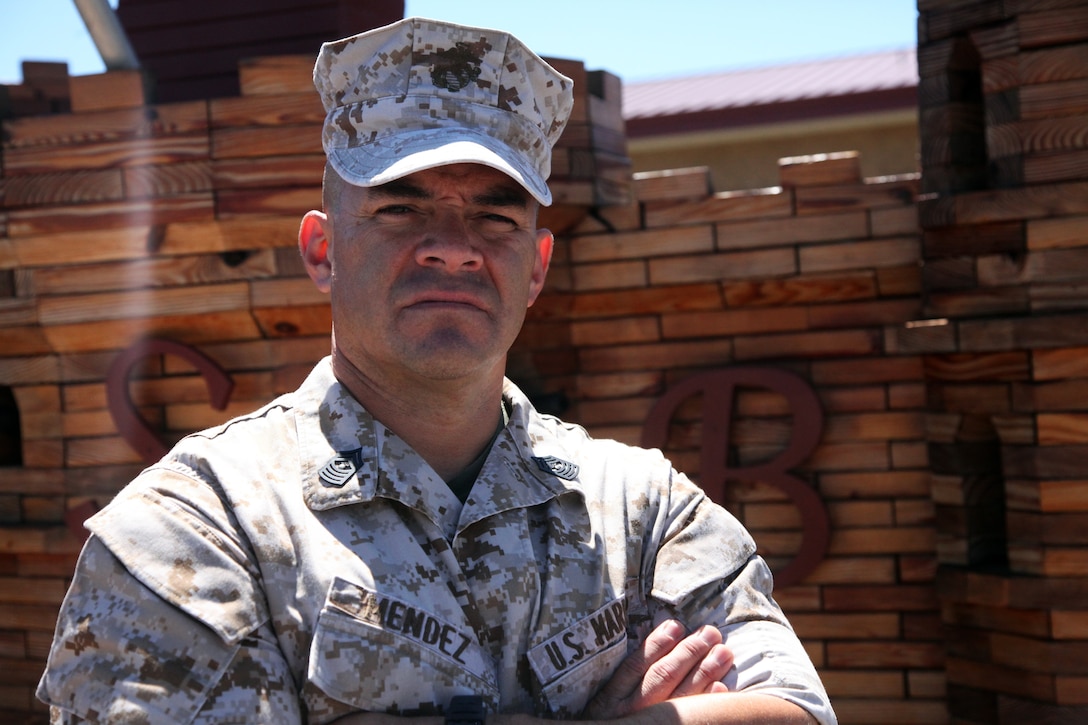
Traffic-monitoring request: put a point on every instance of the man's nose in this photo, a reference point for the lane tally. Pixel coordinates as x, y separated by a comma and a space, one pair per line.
448, 244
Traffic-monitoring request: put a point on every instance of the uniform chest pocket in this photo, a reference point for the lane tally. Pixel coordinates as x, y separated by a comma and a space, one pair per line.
382, 654
573, 664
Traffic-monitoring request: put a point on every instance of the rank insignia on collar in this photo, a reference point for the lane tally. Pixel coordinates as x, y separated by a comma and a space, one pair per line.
557, 466
340, 468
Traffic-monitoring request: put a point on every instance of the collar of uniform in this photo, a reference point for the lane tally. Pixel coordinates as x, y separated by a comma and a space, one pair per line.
331, 423
510, 477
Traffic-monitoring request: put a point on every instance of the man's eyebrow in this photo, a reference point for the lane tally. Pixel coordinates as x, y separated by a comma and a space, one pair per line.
399, 189
500, 195
503, 195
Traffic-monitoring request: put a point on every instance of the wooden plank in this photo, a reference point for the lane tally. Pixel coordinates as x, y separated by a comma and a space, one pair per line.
859, 372
106, 154
118, 334
887, 711
76, 247
257, 142
91, 128
724, 266
859, 286
1034, 655
294, 321
1049, 100
1062, 63
876, 625
1059, 363
983, 302
1036, 137
999, 41
894, 221
1042, 266
240, 234
654, 357
864, 314
161, 302
624, 303
1003, 366
1050, 462
23, 340
110, 215
617, 385
839, 343
950, 19
1055, 331
896, 540
898, 598
828, 169
723, 206
192, 269
617, 275
267, 110
302, 170
674, 184
1053, 27
1062, 428
1058, 166
1035, 623
793, 231
899, 281
859, 255
69, 187
266, 202
974, 240
174, 179
276, 75
838, 198
884, 654
720, 323
108, 91
612, 331
1058, 233
1028, 203
873, 426
649, 243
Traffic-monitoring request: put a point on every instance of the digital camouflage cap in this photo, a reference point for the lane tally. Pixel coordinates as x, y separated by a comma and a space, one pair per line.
422, 93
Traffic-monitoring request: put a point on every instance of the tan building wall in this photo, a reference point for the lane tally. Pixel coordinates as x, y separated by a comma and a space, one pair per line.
748, 158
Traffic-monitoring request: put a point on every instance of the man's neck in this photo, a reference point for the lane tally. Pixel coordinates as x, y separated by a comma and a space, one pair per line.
447, 422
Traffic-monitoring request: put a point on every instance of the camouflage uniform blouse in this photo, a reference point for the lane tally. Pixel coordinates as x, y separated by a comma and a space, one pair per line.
302, 562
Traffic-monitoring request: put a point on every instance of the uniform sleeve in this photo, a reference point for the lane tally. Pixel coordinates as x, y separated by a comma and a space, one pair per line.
121, 653
734, 596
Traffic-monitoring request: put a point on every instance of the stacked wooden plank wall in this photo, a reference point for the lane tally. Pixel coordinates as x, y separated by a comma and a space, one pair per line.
1004, 114
815, 278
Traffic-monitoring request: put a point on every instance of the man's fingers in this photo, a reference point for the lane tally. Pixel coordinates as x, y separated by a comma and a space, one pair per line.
707, 675
667, 674
632, 670
614, 699
666, 665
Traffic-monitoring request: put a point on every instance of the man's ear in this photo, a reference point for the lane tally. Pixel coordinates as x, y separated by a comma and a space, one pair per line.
313, 244
544, 245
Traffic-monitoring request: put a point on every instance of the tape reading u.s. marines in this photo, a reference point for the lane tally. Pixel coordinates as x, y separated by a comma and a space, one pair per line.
595, 633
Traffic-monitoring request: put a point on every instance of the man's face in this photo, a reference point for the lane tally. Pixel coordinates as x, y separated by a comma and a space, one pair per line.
431, 274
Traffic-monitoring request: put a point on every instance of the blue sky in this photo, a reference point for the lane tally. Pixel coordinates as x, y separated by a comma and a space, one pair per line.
635, 39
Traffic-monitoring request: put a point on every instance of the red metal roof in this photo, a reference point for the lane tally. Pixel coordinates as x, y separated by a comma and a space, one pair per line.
870, 74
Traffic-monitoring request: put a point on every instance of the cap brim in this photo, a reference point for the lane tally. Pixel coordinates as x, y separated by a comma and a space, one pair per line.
396, 156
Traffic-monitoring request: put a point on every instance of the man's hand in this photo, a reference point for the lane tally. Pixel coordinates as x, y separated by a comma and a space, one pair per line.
666, 665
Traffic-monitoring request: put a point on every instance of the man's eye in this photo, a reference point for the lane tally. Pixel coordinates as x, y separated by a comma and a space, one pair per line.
498, 220
395, 209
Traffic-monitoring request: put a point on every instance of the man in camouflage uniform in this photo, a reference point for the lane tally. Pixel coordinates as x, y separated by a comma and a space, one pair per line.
405, 528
